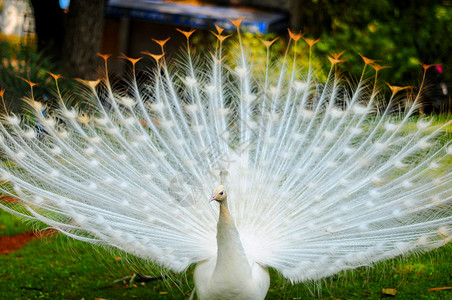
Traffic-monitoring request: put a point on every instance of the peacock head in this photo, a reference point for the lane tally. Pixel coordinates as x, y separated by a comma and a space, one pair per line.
218, 194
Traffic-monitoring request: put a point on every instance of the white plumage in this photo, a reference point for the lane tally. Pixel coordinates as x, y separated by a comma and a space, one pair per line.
320, 178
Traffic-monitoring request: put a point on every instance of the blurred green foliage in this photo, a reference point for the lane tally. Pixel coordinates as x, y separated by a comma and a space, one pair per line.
397, 34
18, 62
400, 34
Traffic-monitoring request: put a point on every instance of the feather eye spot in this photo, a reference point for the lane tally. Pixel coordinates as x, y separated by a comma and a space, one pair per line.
13, 120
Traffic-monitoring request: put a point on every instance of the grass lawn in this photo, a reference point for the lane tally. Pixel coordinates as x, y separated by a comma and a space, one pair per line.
56, 267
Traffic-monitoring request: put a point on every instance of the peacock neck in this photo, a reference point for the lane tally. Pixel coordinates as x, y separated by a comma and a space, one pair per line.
230, 254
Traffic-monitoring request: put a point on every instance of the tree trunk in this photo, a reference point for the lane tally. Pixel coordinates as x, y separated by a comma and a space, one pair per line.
82, 38
49, 27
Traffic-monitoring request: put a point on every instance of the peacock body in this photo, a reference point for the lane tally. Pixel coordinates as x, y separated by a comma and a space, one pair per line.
319, 177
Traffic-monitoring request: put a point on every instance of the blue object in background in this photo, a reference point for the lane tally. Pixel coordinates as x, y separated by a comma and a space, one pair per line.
64, 4
198, 15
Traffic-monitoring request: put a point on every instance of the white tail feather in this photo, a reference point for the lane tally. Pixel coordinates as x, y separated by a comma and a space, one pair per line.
320, 178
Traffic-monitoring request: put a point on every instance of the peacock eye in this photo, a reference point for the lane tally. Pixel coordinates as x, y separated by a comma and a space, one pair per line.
221, 193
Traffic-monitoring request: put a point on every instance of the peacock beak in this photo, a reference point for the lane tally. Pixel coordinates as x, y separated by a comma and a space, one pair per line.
213, 197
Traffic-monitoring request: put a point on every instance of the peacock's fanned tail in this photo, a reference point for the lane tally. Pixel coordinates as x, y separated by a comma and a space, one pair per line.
321, 176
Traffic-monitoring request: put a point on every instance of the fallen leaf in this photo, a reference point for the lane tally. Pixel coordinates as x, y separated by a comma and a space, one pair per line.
391, 292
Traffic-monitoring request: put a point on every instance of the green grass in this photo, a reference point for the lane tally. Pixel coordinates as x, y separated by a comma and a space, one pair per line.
11, 225
59, 268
